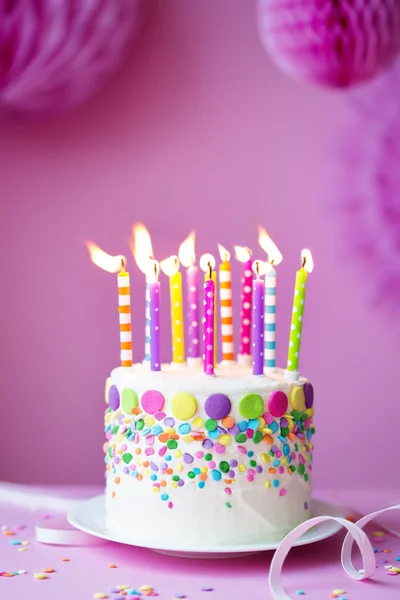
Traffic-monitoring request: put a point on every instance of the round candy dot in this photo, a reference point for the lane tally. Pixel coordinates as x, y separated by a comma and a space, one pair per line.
113, 397
210, 425
216, 475
129, 400
224, 466
225, 439
184, 428
296, 398
172, 444
152, 401
309, 394
183, 406
278, 403
139, 424
219, 448
241, 437
188, 458
258, 436
197, 422
217, 406
251, 406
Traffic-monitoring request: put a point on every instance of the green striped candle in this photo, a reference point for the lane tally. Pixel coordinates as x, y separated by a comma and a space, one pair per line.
296, 327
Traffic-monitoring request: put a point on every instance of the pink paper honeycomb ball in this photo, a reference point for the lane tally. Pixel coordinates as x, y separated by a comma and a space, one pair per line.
337, 43
56, 53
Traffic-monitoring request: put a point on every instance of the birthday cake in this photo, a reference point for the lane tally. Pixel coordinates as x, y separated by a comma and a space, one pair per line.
207, 461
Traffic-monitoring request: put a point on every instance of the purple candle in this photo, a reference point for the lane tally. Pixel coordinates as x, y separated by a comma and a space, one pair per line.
208, 337
192, 279
258, 322
155, 347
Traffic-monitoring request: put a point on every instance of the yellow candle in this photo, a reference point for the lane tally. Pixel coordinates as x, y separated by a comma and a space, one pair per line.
170, 266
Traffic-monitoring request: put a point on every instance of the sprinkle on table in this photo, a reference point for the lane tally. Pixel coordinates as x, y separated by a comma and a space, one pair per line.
100, 595
40, 576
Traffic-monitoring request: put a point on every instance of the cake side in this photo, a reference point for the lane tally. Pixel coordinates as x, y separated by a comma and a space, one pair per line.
207, 460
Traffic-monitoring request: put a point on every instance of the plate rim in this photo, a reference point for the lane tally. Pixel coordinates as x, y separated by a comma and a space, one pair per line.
331, 510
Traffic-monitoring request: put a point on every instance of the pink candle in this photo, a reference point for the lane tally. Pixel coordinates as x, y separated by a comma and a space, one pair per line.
244, 256
208, 337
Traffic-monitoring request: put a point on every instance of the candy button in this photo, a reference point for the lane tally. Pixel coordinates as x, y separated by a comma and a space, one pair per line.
296, 398
107, 390
198, 422
225, 439
183, 406
309, 394
278, 403
152, 401
113, 397
217, 406
251, 406
211, 425
129, 400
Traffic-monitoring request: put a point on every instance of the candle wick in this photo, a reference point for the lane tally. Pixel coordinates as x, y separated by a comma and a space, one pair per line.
122, 265
304, 262
209, 270
258, 268
272, 262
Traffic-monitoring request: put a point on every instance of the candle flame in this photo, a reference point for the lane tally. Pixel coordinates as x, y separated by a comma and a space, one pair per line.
170, 265
105, 261
242, 254
141, 247
224, 253
186, 251
207, 261
260, 267
274, 255
307, 260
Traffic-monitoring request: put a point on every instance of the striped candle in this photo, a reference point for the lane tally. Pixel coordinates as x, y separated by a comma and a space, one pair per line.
225, 295
125, 320
270, 319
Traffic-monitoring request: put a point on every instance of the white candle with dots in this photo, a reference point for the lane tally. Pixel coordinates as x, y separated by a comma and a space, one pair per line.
143, 253
187, 258
244, 256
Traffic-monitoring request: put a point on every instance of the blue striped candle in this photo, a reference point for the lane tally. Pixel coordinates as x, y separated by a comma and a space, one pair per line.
270, 319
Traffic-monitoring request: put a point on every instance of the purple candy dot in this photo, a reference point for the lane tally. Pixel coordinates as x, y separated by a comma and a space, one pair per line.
217, 406
306, 505
234, 430
113, 397
169, 422
274, 449
153, 466
126, 470
221, 429
283, 422
207, 443
116, 460
163, 466
234, 463
188, 458
309, 394
181, 483
259, 469
231, 474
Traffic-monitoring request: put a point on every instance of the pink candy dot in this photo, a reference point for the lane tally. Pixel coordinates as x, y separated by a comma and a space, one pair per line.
249, 433
149, 451
278, 454
199, 454
219, 448
268, 418
282, 492
152, 401
250, 477
251, 472
281, 470
242, 449
228, 491
212, 464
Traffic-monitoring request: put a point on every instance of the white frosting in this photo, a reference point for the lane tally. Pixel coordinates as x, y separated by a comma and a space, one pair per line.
200, 516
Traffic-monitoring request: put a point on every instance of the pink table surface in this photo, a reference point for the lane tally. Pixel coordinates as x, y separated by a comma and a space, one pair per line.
315, 568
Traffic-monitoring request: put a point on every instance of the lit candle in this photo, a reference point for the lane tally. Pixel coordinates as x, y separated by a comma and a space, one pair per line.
207, 261
258, 319
297, 314
187, 258
154, 293
274, 258
209, 312
113, 264
170, 267
225, 296
244, 256
143, 254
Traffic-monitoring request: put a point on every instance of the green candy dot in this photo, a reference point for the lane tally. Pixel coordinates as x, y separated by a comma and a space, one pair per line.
224, 466
115, 430
241, 437
228, 505
284, 431
253, 463
128, 432
175, 477
296, 447
257, 437
127, 458
191, 475
172, 444
313, 430
305, 477
139, 424
208, 456
296, 415
292, 468
301, 469
251, 406
210, 424
129, 400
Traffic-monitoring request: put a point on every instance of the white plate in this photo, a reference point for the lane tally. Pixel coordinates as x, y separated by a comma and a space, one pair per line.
90, 517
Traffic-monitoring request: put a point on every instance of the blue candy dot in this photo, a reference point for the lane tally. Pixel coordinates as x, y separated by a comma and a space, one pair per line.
156, 430
286, 450
201, 484
168, 457
153, 477
250, 453
134, 473
164, 497
184, 428
242, 425
197, 471
277, 463
275, 483
216, 474
253, 424
273, 426
214, 434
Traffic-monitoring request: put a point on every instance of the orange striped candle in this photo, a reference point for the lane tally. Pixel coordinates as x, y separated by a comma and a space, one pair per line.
225, 296
125, 319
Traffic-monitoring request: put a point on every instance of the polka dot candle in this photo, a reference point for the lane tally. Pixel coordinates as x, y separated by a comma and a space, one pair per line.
244, 256
208, 336
187, 258
170, 266
297, 313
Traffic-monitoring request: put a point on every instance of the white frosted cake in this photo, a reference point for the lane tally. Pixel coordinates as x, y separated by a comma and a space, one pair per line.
206, 461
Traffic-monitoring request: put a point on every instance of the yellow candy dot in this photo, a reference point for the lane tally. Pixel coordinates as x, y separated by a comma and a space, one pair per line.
108, 385
43, 576
261, 422
149, 421
265, 458
267, 484
204, 469
146, 588
266, 430
156, 490
198, 422
376, 534
178, 453
146, 472
283, 462
297, 398
174, 484
225, 439
123, 587
242, 468
169, 430
179, 467
188, 438
183, 406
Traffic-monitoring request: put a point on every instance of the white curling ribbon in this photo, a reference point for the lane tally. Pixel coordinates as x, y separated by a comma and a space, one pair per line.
355, 534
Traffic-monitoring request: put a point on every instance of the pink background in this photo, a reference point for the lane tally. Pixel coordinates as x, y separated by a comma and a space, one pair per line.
199, 130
